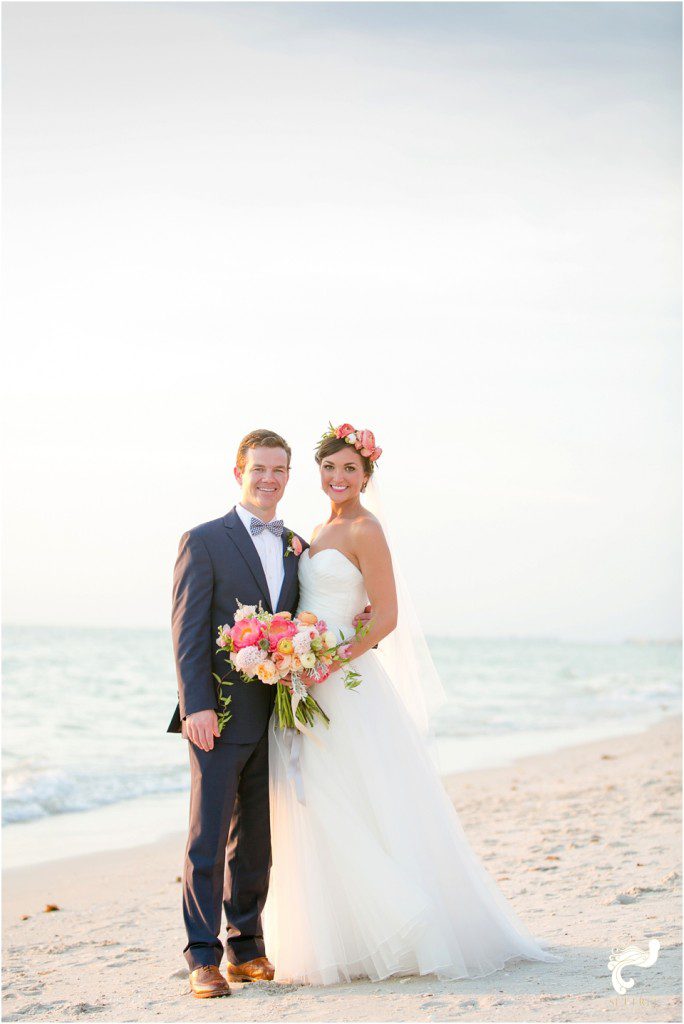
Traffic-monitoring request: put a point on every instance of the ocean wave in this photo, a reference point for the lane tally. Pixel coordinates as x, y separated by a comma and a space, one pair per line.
31, 792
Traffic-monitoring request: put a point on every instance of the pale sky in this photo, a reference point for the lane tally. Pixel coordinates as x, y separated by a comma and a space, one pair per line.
455, 224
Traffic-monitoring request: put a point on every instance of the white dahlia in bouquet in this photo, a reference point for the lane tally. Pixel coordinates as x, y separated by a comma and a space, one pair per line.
292, 654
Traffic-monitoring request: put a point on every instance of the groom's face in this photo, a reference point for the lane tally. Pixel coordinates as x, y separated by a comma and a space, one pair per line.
263, 480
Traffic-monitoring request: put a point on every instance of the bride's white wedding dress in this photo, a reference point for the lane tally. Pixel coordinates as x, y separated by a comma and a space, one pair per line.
373, 874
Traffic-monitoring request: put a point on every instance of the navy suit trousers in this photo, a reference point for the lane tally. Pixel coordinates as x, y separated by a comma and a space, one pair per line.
228, 854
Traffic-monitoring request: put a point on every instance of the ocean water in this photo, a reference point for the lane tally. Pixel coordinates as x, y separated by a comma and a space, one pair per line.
85, 713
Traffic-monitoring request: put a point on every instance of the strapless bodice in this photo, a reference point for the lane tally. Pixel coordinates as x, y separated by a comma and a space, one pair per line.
332, 587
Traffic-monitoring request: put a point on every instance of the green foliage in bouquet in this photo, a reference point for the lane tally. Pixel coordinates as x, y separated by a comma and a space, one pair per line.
224, 716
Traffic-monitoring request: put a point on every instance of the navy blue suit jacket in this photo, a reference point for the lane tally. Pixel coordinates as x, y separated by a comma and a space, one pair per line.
218, 565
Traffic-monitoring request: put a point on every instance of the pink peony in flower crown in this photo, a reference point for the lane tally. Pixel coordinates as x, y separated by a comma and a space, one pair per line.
363, 440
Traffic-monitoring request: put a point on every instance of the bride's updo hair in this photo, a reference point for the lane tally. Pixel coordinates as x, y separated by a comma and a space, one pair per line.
329, 445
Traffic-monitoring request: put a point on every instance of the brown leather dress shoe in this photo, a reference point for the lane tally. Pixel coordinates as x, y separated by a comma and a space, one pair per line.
207, 982
260, 969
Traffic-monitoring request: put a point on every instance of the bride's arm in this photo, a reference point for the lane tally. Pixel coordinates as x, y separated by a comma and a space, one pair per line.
370, 547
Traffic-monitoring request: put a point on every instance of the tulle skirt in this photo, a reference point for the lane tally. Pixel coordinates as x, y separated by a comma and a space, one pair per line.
373, 875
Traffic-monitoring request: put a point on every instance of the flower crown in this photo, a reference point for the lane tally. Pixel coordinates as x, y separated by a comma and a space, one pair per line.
363, 440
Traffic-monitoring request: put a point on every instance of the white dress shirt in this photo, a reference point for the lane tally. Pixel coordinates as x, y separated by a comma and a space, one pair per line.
270, 551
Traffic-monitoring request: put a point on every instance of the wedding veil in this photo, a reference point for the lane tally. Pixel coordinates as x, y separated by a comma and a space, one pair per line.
404, 654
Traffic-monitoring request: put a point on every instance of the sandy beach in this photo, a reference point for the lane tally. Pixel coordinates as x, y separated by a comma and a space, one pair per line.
586, 843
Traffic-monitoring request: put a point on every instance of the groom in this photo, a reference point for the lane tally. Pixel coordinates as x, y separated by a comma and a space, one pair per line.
242, 556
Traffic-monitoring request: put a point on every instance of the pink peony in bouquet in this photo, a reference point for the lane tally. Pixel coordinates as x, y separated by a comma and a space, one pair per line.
291, 654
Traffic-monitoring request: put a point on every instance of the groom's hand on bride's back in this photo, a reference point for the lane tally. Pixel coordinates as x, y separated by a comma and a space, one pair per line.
363, 617
201, 728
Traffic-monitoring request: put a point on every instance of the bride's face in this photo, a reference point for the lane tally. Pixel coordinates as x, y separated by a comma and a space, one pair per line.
342, 475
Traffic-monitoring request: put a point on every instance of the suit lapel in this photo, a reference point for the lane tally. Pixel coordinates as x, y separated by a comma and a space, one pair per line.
290, 577
243, 542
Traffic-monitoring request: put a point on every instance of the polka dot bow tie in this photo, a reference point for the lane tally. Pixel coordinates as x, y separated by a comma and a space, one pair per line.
256, 526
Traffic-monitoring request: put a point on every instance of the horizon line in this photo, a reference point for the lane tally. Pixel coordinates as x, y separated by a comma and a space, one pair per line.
496, 637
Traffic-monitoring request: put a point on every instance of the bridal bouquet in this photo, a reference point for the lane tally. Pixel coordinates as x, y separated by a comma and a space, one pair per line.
290, 653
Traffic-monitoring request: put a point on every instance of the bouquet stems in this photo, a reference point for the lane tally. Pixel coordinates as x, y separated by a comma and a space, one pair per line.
308, 709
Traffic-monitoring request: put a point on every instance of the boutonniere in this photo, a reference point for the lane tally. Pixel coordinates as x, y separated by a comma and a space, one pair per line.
294, 545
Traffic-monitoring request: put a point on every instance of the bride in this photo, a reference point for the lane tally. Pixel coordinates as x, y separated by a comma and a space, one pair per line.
372, 872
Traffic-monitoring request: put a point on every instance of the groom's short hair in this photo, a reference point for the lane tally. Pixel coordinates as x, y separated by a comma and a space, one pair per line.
260, 439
